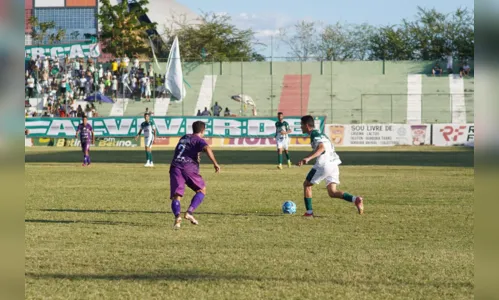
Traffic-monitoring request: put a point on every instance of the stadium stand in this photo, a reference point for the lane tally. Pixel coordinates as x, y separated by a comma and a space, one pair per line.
345, 92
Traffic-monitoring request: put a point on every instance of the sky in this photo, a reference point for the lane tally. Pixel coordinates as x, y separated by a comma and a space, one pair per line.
267, 16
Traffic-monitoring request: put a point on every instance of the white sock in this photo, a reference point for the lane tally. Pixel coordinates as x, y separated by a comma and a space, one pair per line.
310, 212
353, 199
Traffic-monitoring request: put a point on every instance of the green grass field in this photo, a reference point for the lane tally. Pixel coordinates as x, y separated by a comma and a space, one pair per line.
106, 231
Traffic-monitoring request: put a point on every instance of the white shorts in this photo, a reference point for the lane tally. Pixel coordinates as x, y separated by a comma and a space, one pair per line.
330, 173
148, 92
149, 141
282, 144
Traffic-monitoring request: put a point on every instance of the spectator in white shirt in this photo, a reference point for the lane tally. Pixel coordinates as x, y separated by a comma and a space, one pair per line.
147, 85
83, 82
464, 70
114, 86
31, 86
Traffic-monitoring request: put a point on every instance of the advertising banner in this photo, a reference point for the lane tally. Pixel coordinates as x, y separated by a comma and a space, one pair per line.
226, 127
379, 134
453, 134
99, 142
263, 142
72, 50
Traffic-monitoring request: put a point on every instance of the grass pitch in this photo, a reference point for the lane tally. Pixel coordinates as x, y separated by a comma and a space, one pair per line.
105, 231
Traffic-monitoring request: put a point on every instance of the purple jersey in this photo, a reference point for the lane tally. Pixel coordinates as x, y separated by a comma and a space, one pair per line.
85, 133
187, 151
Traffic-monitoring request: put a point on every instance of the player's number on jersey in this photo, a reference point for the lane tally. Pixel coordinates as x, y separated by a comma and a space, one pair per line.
181, 147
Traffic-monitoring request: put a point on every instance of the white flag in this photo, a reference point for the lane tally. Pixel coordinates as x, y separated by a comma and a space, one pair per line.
174, 79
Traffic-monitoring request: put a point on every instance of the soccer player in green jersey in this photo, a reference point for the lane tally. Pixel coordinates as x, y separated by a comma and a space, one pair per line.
149, 135
282, 139
325, 168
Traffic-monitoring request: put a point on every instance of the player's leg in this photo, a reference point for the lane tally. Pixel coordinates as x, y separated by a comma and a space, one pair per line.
279, 155
313, 177
87, 152
307, 197
332, 181
286, 151
150, 151
177, 186
196, 183
84, 150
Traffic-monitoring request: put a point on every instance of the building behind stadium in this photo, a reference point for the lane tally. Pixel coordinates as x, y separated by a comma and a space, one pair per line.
81, 16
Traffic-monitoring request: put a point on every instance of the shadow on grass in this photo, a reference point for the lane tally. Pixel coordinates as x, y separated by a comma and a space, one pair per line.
196, 275
43, 221
350, 158
105, 211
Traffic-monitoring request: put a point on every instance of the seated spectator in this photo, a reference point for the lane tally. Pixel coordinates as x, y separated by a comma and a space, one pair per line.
436, 70
199, 113
226, 112
464, 70
206, 112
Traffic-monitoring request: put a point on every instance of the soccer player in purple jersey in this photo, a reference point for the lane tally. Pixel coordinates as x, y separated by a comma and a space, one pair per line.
184, 170
86, 137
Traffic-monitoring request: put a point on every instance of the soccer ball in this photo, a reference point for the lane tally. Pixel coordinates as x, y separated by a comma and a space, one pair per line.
289, 207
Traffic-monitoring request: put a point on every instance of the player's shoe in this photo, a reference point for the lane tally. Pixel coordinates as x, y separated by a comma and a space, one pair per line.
191, 218
279, 167
151, 164
359, 203
148, 164
83, 164
289, 164
176, 225
308, 215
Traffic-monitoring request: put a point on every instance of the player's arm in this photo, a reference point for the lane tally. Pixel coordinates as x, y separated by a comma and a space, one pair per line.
211, 156
316, 153
138, 134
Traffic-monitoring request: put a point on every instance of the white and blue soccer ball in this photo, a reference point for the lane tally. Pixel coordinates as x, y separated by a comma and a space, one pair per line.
289, 207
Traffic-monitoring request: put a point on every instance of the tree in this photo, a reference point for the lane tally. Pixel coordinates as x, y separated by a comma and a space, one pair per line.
302, 40
431, 36
341, 42
122, 31
42, 31
313, 40
391, 43
214, 37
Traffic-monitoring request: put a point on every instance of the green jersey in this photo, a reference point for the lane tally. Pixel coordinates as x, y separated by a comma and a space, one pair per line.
148, 128
281, 126
329, 156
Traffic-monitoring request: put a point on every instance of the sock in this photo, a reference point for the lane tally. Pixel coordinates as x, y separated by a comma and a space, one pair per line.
349, 197
147, 156
279, 158
196, 200
150, 156
287, 156
88, 158
176, 208
84, 159
308, 204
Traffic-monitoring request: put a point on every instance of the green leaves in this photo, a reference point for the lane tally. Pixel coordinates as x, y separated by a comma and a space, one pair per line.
431, 36
122, 31
214, 38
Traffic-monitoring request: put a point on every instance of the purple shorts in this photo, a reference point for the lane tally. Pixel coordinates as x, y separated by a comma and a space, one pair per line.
179, 177
85, 146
